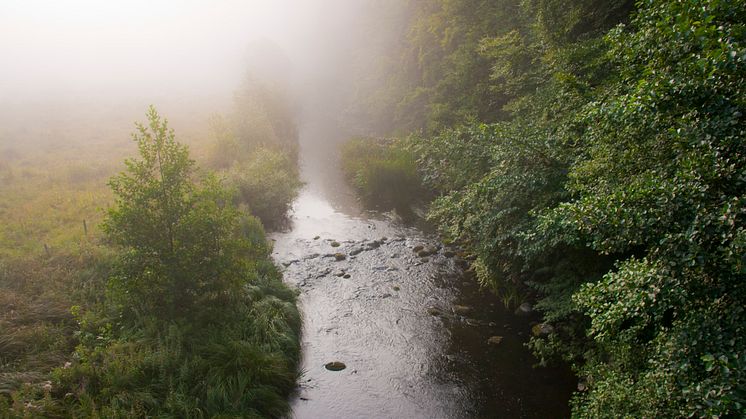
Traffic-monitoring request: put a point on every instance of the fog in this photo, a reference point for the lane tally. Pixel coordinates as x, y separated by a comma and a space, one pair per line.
62, 58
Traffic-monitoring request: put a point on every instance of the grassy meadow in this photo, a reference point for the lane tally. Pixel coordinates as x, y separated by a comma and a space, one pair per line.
58, 324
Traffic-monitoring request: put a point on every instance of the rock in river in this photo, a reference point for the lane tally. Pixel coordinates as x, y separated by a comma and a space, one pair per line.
461, 310
339, 256
542, 329
524, 309
334, 244
494, 340
335, 366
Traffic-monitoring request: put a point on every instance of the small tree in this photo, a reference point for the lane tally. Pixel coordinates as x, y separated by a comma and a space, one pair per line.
180, 237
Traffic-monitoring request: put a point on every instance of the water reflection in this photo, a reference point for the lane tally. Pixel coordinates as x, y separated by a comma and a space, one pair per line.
374, 311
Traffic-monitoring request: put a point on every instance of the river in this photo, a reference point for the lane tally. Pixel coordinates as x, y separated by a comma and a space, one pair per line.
412, 332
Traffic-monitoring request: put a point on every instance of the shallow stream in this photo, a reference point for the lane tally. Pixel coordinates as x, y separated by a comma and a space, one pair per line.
413, 332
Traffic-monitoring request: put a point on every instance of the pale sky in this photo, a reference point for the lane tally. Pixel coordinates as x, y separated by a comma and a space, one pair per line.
100, 47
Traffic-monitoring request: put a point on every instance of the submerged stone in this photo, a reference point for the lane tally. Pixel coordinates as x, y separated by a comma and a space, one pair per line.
335, 244
339, 256
335, 366
462, 310
494, 340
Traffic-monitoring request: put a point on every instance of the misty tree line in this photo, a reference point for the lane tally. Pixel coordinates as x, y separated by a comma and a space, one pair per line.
590, 155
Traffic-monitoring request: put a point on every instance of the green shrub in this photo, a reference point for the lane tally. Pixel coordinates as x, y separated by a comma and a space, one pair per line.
196, 321
384, 173
267, 183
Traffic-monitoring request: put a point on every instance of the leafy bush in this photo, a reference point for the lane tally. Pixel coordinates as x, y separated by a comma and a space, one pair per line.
256, 147
662, 178
267, 183
613, 194
384, 173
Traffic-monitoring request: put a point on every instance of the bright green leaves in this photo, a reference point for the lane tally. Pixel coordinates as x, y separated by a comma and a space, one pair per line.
198, 320
151, 195
661, 177
182, 254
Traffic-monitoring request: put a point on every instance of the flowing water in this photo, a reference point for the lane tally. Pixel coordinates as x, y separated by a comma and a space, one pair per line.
413, 332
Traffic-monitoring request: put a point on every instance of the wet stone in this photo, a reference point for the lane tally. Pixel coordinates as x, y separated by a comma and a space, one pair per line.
355, 252
494, 340
339, 257
542, 329
473, 322
462, 310
418, 248
334, 244
346, 276
433, 311
427, 251
335, 366
524, 309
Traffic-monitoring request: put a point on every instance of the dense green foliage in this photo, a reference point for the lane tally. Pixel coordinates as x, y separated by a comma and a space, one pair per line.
189, 318
256, 147
267, 182
591, 158
384, 174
